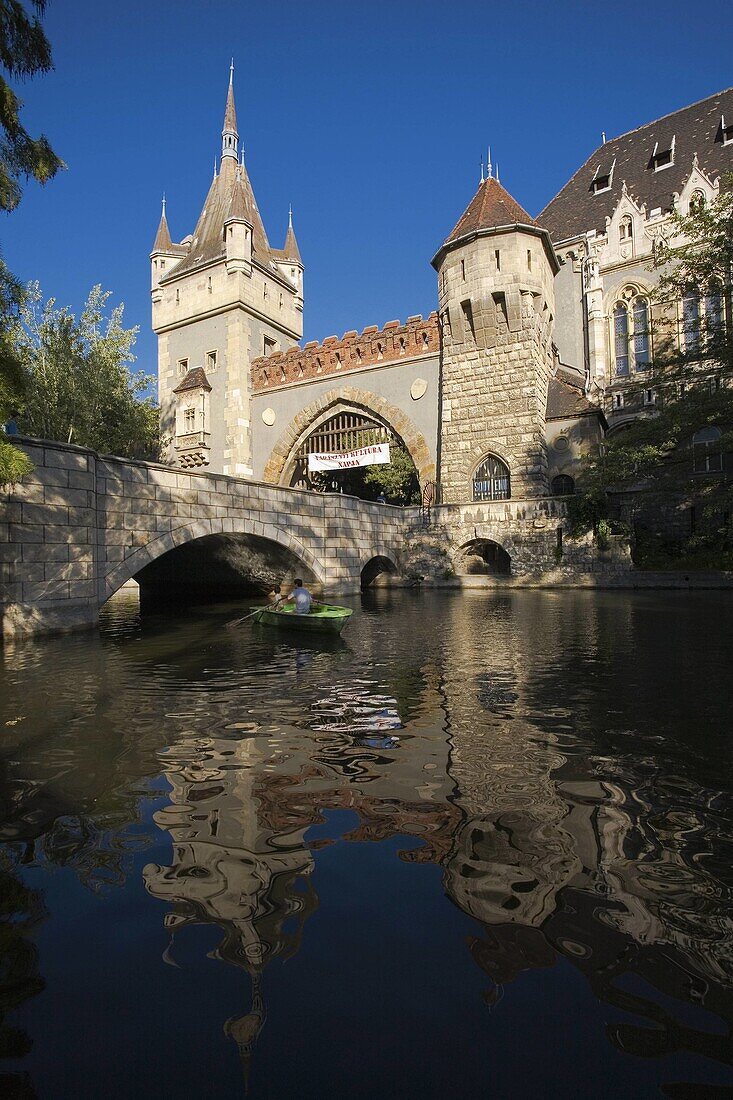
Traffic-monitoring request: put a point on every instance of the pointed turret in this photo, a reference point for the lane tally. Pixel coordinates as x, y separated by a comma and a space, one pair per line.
163, 242
229, 134
291, 250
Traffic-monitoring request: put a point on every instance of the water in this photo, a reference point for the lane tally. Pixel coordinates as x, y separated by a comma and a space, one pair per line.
480, 847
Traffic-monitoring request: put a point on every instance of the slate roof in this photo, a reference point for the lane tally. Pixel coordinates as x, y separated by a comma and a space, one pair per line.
195, 379
696, 130
566, 400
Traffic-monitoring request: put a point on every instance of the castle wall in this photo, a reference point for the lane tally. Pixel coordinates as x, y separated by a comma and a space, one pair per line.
497, 359
379, 362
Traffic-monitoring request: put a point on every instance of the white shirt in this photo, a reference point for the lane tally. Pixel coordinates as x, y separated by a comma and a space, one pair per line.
302, 599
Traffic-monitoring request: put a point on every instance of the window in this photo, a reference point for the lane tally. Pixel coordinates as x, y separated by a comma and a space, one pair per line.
631, 341
626, 229
211, 357
268, 345
726, 131
189, 420
707, 456
182, 367
562, 486
663, 158
491, 480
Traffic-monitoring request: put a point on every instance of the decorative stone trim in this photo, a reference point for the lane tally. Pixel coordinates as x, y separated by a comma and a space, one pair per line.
365, 401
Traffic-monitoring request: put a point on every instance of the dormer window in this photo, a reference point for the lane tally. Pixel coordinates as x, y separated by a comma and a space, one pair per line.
663, 157
602, 179
726, 131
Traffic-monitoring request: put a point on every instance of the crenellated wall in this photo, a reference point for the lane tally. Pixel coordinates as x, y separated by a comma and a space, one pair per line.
372, 347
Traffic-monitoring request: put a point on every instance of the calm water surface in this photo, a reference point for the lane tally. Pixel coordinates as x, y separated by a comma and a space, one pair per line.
480, 847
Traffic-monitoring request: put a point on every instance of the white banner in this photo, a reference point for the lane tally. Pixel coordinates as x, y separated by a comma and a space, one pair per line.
374, 455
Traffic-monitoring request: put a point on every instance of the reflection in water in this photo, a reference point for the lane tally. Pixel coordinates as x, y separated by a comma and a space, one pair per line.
560, 759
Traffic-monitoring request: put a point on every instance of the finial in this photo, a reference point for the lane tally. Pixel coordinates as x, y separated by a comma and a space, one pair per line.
290, 216
482, 167
231, 73
488, 164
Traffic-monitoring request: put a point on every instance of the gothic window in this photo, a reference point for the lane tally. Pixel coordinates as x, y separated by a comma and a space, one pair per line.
562, 486
641, 334
691, 322
631, 342
621, 338
491, 480
707, 456
626, 229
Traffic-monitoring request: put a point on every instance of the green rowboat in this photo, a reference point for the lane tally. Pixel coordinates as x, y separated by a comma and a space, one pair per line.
323, 618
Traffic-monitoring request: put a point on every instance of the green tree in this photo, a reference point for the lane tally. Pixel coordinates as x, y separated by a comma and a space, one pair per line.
696, 257
78, 388
24, 53
397, 479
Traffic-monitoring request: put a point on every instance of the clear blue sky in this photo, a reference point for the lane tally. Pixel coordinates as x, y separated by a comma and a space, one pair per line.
369, 117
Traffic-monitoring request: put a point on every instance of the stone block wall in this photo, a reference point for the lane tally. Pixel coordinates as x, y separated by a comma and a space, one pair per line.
496, 315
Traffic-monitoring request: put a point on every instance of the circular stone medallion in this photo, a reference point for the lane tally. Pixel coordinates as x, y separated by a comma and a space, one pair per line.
418, 389
268, 416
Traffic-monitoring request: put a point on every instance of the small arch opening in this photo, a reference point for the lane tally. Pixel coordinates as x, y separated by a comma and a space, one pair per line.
378, 571
483, 557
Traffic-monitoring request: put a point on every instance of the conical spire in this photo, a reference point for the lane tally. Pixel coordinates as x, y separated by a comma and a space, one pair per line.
229, 135
238, 202
291, 249
163, 242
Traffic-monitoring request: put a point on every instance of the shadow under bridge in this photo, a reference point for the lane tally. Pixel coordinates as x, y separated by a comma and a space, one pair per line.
219, 567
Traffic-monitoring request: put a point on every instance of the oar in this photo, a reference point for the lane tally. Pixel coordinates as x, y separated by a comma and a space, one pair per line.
236, 622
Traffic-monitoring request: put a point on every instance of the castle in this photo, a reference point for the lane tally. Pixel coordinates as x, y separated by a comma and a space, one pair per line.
541, 335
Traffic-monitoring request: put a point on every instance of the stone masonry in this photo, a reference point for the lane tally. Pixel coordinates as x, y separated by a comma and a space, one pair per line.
84, 524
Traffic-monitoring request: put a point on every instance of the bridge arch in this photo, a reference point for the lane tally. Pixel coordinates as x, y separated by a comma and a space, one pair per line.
280, 463
125, 570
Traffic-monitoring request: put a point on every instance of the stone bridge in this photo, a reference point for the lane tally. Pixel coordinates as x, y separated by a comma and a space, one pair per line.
83, 525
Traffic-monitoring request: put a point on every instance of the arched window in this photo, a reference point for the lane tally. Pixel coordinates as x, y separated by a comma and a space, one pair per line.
691, 322
562, 486
491, 480
621, 338
641, 334
631, 343
707, 456
626, 229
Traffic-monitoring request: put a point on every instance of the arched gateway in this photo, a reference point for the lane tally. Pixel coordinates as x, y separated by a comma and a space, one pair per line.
360, 411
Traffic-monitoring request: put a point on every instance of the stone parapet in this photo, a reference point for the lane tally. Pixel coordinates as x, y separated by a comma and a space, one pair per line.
354, 351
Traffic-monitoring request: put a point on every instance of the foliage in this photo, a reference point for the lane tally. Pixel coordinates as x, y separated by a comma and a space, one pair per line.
14, 465
24, 52
78, 386
698, 255
654, 452
397, 479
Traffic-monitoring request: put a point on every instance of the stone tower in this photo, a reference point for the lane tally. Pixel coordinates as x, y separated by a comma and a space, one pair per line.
495, 289
220, 298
